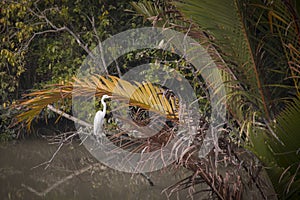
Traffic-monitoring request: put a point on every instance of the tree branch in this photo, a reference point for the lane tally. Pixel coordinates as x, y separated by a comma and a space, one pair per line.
70, 117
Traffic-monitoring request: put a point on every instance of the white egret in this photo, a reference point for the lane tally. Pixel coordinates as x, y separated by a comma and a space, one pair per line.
98, 125
99, 118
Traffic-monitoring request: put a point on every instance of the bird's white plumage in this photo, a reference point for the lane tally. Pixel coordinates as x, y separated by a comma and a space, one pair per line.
99, 118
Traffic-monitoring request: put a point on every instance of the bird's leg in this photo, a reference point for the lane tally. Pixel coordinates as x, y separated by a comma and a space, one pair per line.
96, 137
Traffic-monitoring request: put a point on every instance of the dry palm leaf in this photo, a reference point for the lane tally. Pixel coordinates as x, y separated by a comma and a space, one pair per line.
145, 95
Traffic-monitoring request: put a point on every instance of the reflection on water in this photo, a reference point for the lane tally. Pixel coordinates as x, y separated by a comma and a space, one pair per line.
17, 175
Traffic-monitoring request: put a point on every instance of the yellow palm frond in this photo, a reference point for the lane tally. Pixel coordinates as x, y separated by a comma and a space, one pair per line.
145, 95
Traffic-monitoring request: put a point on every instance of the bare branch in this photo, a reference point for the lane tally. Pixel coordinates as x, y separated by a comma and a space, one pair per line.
42, 15
63, 141
39, 33
100, 47
74, 119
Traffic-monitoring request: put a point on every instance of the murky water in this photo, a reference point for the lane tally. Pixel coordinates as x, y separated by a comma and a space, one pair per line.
21, 179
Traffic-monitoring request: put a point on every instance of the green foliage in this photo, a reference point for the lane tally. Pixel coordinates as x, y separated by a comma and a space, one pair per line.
45, 42
56, 56
7, 114
36, 49
281, 155
14, 33
286, 153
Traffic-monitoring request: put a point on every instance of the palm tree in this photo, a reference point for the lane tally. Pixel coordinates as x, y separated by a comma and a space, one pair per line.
223, 184
256, 44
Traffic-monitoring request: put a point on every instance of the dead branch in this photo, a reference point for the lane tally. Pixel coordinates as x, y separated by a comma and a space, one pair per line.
47, 163
63, 141
70, 117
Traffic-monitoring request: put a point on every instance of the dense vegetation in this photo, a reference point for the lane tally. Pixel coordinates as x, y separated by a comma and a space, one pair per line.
45, 42
255, 44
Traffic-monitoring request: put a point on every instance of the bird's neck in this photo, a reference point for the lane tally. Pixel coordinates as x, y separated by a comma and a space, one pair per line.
104, 106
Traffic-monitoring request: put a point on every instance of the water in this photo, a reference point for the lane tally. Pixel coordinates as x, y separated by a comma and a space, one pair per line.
19, 175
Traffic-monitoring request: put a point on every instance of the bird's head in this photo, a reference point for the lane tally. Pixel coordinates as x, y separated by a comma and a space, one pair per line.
105, 97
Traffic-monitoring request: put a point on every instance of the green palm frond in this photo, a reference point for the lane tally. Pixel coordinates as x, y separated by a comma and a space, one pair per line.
226, 22
164, 14
150, 11
283, 22
287, 155
145, 95
283, 158
257, 42
160, 14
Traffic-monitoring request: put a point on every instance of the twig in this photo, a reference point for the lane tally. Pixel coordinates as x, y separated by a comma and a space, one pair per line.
55, 153
51, 159
76, 120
